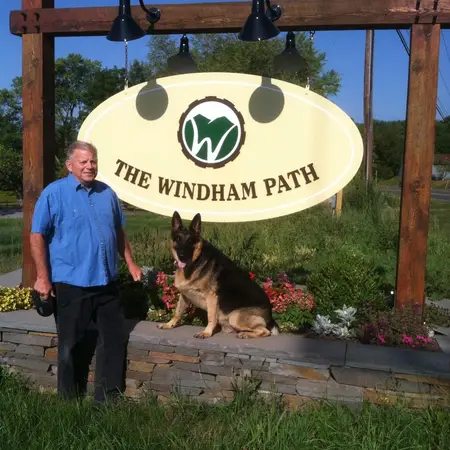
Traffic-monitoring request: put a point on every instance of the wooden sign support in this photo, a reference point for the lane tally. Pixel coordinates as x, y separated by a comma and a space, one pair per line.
38, 23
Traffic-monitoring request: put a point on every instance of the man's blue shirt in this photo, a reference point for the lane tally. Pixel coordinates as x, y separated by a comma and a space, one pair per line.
81, 229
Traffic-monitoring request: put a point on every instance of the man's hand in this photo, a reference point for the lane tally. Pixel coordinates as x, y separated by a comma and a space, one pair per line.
135, 271
44, 287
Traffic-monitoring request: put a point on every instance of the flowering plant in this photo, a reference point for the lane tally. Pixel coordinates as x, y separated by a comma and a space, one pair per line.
323, 325
283, 294
398, 328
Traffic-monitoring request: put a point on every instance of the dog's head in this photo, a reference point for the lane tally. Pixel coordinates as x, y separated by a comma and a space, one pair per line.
186, 242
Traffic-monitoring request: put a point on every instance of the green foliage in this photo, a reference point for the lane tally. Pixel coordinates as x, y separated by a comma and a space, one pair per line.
442, 143
10, 170
294, 318
11, 117
226, 53
436, 315
10, 244
345, 278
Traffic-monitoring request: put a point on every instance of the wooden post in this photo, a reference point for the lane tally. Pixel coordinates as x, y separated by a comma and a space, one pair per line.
417, 168
38, 97
339, 196
368, 102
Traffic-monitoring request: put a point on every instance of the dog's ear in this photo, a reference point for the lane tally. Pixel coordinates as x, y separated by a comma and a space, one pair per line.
196, 224
176, 222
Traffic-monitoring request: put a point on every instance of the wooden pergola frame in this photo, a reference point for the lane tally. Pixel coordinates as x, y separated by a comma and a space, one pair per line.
38, 23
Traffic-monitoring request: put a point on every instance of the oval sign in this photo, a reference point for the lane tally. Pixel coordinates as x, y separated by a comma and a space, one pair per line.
233, 147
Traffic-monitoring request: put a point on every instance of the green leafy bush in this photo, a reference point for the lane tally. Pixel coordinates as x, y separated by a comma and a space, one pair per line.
345, 278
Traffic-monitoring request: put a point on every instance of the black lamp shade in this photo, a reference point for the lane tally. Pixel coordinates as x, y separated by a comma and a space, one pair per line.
258, 26
182, 62
124, 27
289, 60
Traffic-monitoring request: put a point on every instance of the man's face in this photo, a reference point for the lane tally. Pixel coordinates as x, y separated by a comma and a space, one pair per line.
83, 166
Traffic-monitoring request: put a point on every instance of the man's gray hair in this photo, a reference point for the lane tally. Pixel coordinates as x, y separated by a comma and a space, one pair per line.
80, 145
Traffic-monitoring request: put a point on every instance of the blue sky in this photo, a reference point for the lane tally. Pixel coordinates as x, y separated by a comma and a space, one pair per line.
344, 50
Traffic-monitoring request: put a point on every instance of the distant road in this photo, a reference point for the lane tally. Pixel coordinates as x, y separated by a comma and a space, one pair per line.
440, 195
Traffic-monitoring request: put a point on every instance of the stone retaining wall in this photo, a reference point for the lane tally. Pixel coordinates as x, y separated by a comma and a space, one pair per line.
296, 368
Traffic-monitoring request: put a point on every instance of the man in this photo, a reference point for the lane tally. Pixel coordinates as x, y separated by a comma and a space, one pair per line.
76, 236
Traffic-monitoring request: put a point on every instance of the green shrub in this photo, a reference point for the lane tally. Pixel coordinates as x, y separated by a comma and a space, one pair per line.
345, 278
8, 198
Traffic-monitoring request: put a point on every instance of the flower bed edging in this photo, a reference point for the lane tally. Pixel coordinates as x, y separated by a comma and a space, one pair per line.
301, 370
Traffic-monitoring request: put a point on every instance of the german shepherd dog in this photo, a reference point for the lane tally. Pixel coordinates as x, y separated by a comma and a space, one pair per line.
209, 280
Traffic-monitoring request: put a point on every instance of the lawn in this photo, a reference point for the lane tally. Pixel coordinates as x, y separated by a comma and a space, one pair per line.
34, 421
10, 244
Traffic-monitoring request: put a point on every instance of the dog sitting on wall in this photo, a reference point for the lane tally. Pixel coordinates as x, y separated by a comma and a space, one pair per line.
209, 280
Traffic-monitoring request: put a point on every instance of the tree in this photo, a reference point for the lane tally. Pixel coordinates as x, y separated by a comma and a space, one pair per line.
10, 170
226, 53
388, 147
11, 117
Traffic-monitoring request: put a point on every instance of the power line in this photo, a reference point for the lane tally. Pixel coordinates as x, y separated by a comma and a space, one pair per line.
405, 45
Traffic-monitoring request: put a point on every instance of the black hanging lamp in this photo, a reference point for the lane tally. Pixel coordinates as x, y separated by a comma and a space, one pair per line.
289, 60
259, 25
182, 62
124, 27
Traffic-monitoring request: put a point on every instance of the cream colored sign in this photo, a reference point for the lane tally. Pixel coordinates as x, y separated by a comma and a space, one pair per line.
233, 147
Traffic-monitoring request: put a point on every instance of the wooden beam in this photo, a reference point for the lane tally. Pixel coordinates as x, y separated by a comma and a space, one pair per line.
229, 17
38, 97
368, 107
418, 161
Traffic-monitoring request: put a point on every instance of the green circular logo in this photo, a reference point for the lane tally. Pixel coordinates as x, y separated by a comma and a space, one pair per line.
211, 132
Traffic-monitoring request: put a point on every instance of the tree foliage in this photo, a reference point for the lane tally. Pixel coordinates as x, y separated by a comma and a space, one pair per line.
10, 170
226, 53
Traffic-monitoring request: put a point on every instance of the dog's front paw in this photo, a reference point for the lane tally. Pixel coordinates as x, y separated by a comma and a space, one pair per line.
203, 335
165, 326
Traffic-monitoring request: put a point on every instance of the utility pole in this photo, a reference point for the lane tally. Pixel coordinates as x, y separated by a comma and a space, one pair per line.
368, 103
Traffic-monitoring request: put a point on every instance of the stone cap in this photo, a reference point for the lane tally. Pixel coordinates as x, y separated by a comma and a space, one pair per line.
288, 347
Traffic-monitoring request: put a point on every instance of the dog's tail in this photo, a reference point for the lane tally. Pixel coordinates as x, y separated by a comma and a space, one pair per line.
273, 328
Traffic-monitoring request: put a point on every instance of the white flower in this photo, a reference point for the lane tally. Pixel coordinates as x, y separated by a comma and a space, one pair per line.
346, 315
342, 332
322, 325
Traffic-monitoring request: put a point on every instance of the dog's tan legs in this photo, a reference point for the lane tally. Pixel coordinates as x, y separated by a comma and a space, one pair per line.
211, 305
180, 309
249, 326
257, 332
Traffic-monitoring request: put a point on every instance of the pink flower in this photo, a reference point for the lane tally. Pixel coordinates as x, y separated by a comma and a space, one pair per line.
381, 339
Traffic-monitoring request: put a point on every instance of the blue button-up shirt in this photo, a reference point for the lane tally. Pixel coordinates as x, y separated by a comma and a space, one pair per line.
81, 227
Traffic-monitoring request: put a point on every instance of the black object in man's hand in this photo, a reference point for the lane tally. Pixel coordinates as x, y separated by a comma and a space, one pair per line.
43, 307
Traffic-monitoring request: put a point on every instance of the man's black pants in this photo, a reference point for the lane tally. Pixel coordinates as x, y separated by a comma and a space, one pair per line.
75, 308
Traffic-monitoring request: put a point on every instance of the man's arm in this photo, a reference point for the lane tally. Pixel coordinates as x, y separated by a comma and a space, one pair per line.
124, 249
40, 227
124, 246
39, 255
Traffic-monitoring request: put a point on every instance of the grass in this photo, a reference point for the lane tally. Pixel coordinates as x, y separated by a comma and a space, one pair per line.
10, 244
33, 421
8, 199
